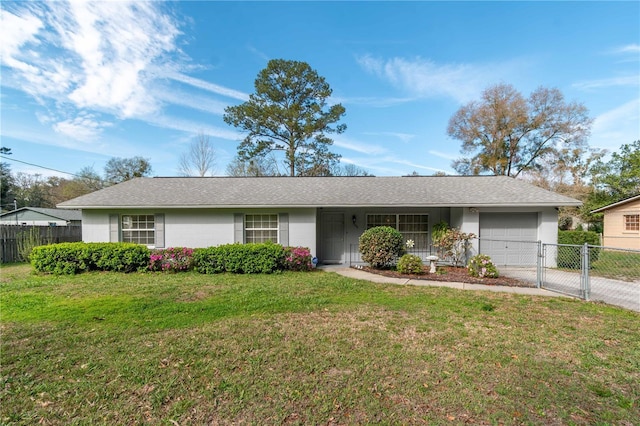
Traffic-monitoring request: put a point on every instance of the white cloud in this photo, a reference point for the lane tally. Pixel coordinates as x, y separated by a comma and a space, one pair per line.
211, 87
423, 78
624, 81
443, 155
617, 126
404, 137
193, 101
629, 48
370, 101
193, 127
107, 58
84, 127
357, 146
17, 31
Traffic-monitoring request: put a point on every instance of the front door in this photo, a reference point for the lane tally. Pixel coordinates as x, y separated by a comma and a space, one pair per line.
332, 237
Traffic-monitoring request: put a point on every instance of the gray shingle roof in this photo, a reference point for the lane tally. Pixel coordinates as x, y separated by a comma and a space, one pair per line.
54, 213
409, 191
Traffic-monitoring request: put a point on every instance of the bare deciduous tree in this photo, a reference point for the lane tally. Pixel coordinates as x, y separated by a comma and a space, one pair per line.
199, 160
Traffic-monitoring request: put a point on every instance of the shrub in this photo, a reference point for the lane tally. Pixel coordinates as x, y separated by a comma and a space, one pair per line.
297, 259
73, 258
410, 264
570, 257
29, 238
61, 259
172, 259
380, 246
240, 258
482, 266
454, 244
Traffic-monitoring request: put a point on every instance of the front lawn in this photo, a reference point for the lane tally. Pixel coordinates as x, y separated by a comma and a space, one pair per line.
306, 348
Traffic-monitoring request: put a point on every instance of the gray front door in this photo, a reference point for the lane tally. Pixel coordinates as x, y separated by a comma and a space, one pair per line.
332, 237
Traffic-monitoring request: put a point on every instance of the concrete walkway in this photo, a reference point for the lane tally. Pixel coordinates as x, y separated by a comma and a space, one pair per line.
368, 276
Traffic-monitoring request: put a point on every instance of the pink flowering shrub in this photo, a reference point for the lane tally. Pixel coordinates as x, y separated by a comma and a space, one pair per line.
172, 259
481, 266
297, 259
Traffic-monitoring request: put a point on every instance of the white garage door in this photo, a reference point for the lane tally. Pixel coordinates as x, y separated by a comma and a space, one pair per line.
509, 238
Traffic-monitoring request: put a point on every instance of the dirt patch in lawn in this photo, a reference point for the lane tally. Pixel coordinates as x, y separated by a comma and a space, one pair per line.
450, 274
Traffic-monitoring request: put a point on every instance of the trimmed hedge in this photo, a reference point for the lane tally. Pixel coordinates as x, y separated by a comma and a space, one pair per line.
74, 258
569, 257
263, 258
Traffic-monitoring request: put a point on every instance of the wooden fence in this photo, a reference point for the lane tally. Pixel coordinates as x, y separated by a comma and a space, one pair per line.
11, 234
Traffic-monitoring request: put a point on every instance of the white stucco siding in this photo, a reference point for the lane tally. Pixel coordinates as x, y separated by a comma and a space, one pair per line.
95, 226
198, 228
302, 229
548, 226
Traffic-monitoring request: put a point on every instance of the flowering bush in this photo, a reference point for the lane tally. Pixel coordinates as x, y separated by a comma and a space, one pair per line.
297, 259
172, 259
380, 246
410, 264
482, 266
454, 245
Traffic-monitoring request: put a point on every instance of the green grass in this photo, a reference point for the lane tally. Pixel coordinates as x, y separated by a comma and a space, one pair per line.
306, 348
617, 264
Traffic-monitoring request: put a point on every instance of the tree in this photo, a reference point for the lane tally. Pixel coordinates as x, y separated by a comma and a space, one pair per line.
620, 176
506, 134
349, 170
258, 166
289, 112
122, 169
199, 160
6, 179
83, 182
88, 180
613, 180
31, 190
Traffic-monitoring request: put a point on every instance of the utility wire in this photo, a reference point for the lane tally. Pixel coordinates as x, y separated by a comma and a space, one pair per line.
37, 165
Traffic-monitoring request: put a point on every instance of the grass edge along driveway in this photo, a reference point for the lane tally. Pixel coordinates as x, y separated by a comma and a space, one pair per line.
306, 348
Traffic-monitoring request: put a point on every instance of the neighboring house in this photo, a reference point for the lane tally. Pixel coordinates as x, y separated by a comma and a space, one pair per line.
622, 223
326, 214
36, 216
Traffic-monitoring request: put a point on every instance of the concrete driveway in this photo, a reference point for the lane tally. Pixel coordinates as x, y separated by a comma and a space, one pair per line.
615, 292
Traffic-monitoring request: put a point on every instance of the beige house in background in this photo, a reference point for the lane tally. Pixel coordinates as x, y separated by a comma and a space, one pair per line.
622, 223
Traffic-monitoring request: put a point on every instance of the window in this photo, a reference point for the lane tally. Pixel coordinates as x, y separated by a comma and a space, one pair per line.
412, 227
632, 222
139, 229
260, 228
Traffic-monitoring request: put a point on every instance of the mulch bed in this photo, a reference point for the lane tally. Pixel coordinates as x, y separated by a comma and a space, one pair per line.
450, 274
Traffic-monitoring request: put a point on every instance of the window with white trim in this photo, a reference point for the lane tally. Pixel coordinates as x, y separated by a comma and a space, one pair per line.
138, 228
413, 227
260, 228
632, 222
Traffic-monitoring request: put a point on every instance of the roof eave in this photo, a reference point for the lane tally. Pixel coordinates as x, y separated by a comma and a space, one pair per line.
336, 205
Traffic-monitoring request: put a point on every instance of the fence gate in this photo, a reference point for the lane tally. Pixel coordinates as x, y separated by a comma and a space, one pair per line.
563, 269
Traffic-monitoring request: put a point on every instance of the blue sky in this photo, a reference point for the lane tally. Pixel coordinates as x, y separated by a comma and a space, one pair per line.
84, 82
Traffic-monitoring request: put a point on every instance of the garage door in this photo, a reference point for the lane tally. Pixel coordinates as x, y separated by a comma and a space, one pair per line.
509, 238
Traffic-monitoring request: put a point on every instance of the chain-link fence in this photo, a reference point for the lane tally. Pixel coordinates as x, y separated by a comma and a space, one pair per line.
597, 273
